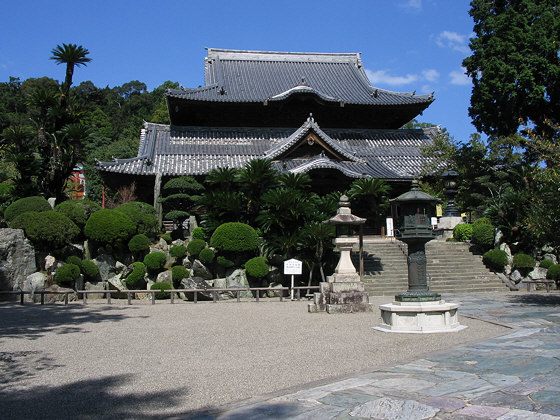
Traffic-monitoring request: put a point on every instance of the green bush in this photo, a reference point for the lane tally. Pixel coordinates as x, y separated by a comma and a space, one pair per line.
23, 205
483, 235
142, 215
495, 259
178, 251
553, 273
523, 261
139, 243
108, 226
482, 221
179, 273
198, 233
136, 278
89, 206
72, 259
224, 262
47, 229
74, 211
89, 269
546, 264
235, 237
162, 285
451, 240
167, 238
155, 261
257, 267
195, 246
67, 273
462, 232
206, 256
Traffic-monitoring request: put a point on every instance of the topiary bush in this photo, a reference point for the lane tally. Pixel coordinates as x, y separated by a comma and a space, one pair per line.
206, 256
162, 285
198, 233
136, 278
523, 262
108, 226
89, 206
495, 259
23, 205
482, 221
483, 235
178, 251
553, 273
72, 259
142, 215
179, 273
234, 237
195, 246
257, 267
67, 273
74, 211
462, 232
167, 238
155, 261
47, 230
139, 243
89, 269
224, 262
546, 263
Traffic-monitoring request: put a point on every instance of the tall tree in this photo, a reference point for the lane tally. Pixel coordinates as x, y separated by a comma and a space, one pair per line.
72, 55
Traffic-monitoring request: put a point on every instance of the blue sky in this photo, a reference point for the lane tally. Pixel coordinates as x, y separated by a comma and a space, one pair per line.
406, 45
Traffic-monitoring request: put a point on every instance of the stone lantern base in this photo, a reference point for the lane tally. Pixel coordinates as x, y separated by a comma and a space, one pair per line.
419, 317
341, 297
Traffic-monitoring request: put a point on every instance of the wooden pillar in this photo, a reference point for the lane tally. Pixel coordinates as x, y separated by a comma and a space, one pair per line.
157, 204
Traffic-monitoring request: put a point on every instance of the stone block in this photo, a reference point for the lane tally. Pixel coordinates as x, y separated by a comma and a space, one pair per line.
349, 308
348, 297
347, 287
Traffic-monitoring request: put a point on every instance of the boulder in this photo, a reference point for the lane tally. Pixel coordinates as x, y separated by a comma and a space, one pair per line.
197, 283
119, 267
118, 284
34, 282
551, 257
538, 273
275, 275
274, 293
95, 286
164, 276
178, 242
515, 276
58, 297
200, 270
49, 263
238, 279
17, 259
221, 283
506, 280
106, 264
505, 247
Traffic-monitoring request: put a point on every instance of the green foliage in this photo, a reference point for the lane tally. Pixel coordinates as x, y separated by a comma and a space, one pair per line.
72, 259
47, 229
183, 184
162, 285
180, 197
74, 211
179, 273
26, 204
142, 214
483, 235
198, 233
155, 261
224, 262
206, 256
89, 269
546, 263
195, 246
462, 232
369, 199
108, 226
178, 251
523, 261
482, 221
257, 267
495, 259
451, 240
553, 273
67, 273
136, 278
139, 243
235, 237
167, 238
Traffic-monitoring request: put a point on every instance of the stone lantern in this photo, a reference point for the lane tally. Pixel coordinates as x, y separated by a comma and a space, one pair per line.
451, 184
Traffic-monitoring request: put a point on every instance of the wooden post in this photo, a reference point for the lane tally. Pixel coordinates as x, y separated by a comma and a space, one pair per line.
238, 296
153, 297
361, 252
85, 298
42, 297
108, 297
157, 204
195, 296
257, 294
66, 298
21, 300
172, 297
129, 298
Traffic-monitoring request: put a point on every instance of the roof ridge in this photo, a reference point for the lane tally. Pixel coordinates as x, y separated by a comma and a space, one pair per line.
232, 54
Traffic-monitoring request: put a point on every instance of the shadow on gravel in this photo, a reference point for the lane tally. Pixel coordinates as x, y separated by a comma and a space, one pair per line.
259, 412
536, 299
91, 399
34, 321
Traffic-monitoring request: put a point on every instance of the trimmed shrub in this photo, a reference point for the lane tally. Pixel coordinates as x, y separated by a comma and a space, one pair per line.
109, 227
235, 237
139, 243
523, 261
155, 261
67, 273
72, 259
553, 273
136, 278
483, 235
482, 221
142, 215
167, 238
162, 285
89, 269
451, 240
495, 259
179, 273
74, 211
47, 229
257, 267
462, 232
198, 233
206, 256
546, 263
89, 206
178, 251
195, 246
224, 262
23, 205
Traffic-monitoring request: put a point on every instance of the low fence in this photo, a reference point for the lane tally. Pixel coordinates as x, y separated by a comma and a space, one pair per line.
214, 292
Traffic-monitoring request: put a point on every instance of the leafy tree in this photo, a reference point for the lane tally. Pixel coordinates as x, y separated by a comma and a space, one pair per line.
369, 198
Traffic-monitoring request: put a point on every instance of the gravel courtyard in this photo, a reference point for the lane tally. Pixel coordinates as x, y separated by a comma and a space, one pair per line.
144, 361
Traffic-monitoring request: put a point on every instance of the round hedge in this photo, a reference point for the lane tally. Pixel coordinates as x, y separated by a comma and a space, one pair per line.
136, 278
47, 229
224, 262
483, 235
23, 205
462, 232
67, 273
198, 233
89, 269
155, 260
482, 221
74, 211
235, 237
72, 259
139, 243
178, 251
495, 259
523, 261
179, 273
257, 267
206, 256
553, 273
167, 238
195, 246
162, 285
142, 215
109, 226
546, 263
89, 206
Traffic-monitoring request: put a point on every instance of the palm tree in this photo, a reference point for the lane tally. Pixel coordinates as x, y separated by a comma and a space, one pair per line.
71, 55
369, 197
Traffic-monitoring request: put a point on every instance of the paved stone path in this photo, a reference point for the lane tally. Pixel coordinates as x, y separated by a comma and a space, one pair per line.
515, 376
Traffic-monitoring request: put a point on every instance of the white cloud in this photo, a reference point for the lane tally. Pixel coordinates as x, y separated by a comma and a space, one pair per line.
382, 77
431, 75
453, 40
411, 5
459, 77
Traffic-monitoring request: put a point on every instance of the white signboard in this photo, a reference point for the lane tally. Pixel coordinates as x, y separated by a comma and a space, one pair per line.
293, 266
389, 224
434, 222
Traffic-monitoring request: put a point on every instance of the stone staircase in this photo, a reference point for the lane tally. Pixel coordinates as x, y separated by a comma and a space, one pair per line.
451, 268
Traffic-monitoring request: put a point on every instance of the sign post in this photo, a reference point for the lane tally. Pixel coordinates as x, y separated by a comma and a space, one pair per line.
292, 267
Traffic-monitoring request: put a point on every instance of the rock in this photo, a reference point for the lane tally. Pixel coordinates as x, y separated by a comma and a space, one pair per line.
79, 283
221, 283
505, 247
49, 263
275, 275
95, 286
17, 259
506, 280
178, 242
106, 264
116, 283
59, 297
164, 276
238, 280
52, 201
200, 270
187, 263
87, 250
515, 276
34, 282
547, 249
197, 283
274, 293
538, 273
551, 257
119, 267
498, 237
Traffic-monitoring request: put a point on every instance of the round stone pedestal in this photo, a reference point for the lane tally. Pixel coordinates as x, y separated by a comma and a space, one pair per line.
419, 317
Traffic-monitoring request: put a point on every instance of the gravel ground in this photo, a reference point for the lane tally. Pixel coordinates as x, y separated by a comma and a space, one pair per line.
144, 361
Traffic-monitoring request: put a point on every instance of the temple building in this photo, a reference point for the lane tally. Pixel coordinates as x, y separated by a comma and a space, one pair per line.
315, 113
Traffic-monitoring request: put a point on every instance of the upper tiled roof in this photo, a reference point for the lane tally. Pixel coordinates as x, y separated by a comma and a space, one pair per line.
261, 76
